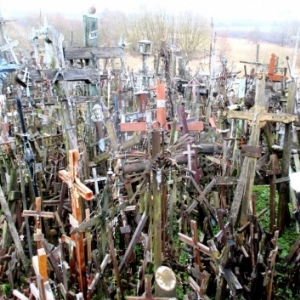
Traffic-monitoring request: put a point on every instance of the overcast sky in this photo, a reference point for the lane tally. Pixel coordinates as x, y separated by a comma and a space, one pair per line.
216, 9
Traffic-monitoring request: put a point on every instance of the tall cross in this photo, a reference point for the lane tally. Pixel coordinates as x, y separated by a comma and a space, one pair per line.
77, 189
258, 116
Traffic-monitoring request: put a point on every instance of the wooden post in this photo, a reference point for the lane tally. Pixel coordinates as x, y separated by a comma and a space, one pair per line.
157, 203
283, 188
14, 232
161, 105
273, 172
114, 260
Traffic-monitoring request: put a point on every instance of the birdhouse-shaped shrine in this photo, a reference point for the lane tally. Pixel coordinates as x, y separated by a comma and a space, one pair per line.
145, 47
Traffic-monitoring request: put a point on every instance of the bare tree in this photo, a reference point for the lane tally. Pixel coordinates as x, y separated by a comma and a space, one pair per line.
192, 31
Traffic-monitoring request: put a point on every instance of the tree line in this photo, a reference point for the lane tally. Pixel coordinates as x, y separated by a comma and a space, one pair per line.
189, 31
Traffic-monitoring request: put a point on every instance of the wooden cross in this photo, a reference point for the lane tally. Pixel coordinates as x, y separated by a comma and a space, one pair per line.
148, 292
77, 189
9, 46
38, 214
258, 116
194, 83
198, 270
221, 261
194, 243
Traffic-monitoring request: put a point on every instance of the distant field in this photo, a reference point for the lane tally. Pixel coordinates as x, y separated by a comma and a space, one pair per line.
235, 50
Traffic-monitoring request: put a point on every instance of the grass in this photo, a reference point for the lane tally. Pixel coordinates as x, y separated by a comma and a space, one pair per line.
283, 285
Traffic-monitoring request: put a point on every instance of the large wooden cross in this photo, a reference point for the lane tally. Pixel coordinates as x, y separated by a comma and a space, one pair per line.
77, 189
258, 116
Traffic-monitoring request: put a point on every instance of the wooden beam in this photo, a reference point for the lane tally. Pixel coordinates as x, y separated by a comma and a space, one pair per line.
93, 52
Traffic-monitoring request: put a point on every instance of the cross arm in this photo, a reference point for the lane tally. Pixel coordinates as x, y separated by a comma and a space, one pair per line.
43, 214
93, 52
262, 116
188, 240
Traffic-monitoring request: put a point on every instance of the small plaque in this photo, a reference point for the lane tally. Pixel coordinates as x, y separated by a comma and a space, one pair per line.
161, 103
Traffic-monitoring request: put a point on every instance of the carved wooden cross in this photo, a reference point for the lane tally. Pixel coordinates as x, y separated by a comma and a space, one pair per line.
38, 214
77, 189
258, 116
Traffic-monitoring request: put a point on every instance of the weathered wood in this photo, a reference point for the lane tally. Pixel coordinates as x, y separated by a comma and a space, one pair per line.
262, 116
274, 171
72, 53
38, 214
157, 203
283, 188
77, 189
14, 232
188, 240
258, 116
200, 198
114, 261
133, 241
88, 75
53, 260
